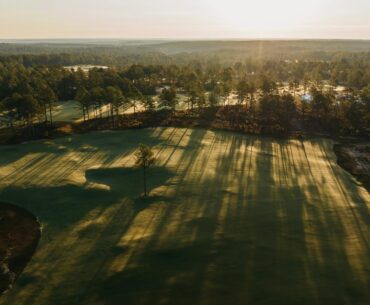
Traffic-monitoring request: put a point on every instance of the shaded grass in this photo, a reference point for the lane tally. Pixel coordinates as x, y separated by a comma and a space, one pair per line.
231, 219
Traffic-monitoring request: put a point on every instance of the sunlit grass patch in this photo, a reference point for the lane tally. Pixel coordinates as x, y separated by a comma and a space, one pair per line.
230, 218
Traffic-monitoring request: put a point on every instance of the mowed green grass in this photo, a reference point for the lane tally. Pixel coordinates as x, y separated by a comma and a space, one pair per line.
232, 219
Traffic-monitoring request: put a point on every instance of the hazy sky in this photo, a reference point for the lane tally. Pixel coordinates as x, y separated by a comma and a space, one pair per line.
185, 19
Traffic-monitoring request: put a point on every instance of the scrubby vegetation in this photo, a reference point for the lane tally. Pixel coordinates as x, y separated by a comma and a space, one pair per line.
355, 158
19, 237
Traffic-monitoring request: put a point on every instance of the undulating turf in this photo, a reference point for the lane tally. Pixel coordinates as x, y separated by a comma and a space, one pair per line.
232, 219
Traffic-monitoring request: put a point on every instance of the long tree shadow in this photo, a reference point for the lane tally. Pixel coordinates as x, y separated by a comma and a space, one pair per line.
145, 279
80, 218
232, 220
263, 232
127, 181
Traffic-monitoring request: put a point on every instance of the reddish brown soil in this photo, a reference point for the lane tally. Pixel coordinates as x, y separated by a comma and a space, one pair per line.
19, 237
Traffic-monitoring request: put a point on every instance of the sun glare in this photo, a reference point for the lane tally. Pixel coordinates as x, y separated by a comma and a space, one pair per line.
264, 17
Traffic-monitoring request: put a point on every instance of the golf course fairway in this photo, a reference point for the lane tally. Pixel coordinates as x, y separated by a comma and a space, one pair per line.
231, 219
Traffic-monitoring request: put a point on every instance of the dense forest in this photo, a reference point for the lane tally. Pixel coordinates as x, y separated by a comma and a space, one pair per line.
152, 52
283, 87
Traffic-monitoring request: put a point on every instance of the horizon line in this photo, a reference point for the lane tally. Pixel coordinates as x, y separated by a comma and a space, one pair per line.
184, 39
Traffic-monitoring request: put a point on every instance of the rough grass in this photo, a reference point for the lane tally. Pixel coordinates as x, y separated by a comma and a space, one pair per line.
232, 219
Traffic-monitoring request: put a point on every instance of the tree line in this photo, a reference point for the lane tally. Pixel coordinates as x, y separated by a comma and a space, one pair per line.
264, 93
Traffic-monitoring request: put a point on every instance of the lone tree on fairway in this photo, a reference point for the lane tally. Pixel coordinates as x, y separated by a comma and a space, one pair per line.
144, 159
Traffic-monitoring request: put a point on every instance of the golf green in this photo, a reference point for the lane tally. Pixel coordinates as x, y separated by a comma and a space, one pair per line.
231, 219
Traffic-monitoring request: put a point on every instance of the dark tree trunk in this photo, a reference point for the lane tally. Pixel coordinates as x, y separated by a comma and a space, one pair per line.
145, 191
51, 115
45, 113
112, 114
12, 127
